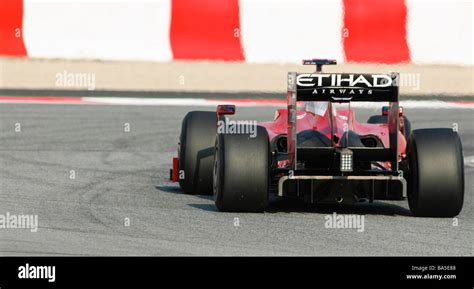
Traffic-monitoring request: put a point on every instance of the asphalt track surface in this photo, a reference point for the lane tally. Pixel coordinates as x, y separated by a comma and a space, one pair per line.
122, 176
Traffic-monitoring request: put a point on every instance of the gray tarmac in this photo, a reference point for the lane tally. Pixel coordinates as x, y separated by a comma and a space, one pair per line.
99, 190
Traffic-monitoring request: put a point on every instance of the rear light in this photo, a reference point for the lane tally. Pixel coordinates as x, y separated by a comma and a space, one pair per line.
346, 160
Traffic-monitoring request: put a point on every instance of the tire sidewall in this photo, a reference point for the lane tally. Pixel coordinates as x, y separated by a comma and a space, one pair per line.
436, 173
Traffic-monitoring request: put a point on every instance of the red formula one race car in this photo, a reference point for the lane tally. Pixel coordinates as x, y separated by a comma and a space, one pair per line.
321, 153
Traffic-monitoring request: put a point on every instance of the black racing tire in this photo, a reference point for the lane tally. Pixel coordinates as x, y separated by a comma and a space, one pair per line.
384, 119
196, 151
242, 172
435, 181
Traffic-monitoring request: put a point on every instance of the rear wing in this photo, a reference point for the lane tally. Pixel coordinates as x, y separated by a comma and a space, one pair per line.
343, 87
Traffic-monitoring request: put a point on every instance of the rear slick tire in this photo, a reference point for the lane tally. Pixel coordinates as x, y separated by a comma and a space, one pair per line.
436, 173
241, 172
196, 151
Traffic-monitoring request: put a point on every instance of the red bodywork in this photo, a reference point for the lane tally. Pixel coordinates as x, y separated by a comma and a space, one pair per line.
343, 119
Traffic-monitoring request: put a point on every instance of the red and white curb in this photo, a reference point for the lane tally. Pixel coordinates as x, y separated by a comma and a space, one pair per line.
432, 104
239, 30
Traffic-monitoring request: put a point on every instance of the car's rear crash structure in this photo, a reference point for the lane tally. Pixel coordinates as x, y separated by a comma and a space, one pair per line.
322, 154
